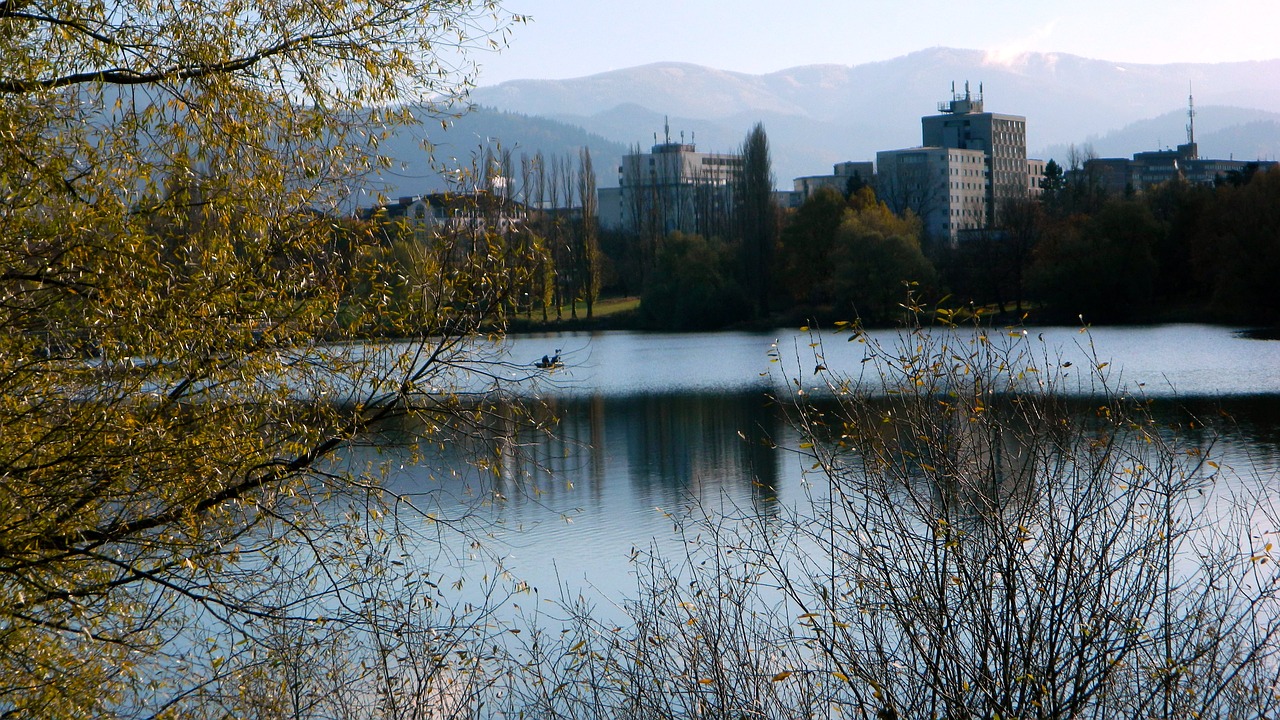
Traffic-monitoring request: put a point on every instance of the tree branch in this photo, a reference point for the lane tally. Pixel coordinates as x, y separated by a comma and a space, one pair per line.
128, 76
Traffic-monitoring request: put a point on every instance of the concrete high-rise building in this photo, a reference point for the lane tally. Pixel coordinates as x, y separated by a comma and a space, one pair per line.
971, 165
964, 125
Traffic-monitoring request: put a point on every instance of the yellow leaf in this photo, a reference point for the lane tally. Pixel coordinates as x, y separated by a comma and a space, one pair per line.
705, 681
782, 676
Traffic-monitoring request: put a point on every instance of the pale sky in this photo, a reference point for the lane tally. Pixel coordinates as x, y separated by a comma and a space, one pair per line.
575, 38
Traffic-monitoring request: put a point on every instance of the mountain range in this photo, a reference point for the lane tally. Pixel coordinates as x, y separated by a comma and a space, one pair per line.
819, 115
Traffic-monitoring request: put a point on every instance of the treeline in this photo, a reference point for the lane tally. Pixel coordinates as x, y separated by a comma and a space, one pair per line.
838, 254
1177, 251
534, 217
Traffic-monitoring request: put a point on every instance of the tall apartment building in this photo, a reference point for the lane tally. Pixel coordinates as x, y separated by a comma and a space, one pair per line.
970, 165
673, 187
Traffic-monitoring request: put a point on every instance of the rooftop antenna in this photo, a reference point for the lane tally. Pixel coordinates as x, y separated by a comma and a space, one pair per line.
666, 128
1191, 116
681, 137
979, 90
966, 89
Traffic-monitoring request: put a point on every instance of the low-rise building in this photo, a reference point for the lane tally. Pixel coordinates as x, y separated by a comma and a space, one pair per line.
673, 187
1148, 169
844, 177
449, 213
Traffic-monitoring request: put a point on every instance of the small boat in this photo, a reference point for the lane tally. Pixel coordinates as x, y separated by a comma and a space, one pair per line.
549, 362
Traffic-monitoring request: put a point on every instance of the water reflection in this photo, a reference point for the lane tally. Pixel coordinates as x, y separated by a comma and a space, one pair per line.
566, 491
696, 446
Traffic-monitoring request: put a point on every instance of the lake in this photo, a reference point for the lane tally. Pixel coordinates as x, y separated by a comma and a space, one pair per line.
648, 432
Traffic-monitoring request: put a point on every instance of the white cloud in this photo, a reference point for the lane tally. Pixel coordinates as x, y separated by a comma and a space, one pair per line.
1014, 52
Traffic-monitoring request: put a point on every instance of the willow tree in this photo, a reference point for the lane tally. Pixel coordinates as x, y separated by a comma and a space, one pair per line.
174, 537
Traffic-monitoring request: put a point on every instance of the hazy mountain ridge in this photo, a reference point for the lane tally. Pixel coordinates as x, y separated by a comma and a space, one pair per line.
1221, 132
1033, 81
423, 153
818, 115
821, 114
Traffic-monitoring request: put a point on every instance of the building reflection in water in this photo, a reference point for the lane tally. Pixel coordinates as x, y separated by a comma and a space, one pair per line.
566, 491
560, 485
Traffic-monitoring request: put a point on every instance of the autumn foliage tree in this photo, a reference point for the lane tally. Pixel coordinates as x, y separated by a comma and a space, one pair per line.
805, 247
173, 290
876, 254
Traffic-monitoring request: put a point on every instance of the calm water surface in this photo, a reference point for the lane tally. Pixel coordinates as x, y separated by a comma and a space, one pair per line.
656, 430
1166, 360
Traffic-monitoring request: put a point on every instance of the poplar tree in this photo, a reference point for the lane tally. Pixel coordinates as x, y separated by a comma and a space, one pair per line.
588, 256
756, 218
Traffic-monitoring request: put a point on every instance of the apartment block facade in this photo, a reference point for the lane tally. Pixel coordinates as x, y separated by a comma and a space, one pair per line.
946, 187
